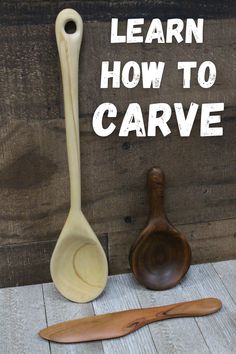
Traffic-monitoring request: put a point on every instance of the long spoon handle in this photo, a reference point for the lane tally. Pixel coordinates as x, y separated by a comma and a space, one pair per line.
69, 30
156, 188
118, 324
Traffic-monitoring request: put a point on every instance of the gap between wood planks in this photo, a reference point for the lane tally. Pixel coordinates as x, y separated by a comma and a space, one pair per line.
136, 296
46, 319
215, 266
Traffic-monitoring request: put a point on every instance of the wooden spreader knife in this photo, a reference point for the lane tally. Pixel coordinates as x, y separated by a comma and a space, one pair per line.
118, 324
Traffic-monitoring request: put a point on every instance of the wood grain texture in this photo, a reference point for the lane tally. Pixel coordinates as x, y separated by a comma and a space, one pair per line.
170, 336
28, 263
35, 199
40, 12
22, 314
58, 309
120, 295
210, 334
78, 266
160, 256
211, 240
219, 330
25, 264
226, 272
31, 213
121, 323
29, 58
117, 200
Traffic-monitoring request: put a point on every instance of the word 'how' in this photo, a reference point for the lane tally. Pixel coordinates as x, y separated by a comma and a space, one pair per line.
151, 74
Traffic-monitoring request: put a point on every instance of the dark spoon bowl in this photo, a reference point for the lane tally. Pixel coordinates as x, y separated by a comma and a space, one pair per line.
161, 255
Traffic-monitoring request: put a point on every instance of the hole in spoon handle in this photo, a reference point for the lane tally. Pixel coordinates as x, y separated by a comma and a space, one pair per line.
156, 188
70, 27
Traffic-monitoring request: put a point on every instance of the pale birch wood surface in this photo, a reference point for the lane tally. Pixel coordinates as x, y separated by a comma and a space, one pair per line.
25, 310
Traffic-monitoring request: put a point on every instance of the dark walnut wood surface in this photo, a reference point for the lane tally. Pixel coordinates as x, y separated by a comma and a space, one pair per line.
161, 255
34, 189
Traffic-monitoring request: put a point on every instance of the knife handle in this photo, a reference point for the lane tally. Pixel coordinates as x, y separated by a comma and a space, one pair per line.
182, 309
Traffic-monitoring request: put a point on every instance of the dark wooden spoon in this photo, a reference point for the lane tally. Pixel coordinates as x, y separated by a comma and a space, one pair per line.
161, 255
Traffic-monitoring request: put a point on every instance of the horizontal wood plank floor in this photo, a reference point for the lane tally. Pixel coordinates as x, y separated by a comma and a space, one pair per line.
27, 309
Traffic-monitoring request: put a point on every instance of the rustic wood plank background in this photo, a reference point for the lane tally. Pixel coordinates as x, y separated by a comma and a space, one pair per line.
201, 172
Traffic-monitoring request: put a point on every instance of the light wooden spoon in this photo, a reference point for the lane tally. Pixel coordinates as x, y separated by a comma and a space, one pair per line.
78, 264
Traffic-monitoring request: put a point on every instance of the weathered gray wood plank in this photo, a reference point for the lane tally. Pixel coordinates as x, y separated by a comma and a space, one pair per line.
227, 273
114, 202
33, 167
22, 315
120, 295
59, 309
101, 10
25, 264
109, 198
180, 335
29, 57
218, 329
28, 263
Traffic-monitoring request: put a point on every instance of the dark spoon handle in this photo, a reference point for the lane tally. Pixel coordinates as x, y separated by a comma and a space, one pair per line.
156, 188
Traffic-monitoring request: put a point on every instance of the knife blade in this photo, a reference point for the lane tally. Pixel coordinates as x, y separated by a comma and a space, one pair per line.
118, 324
